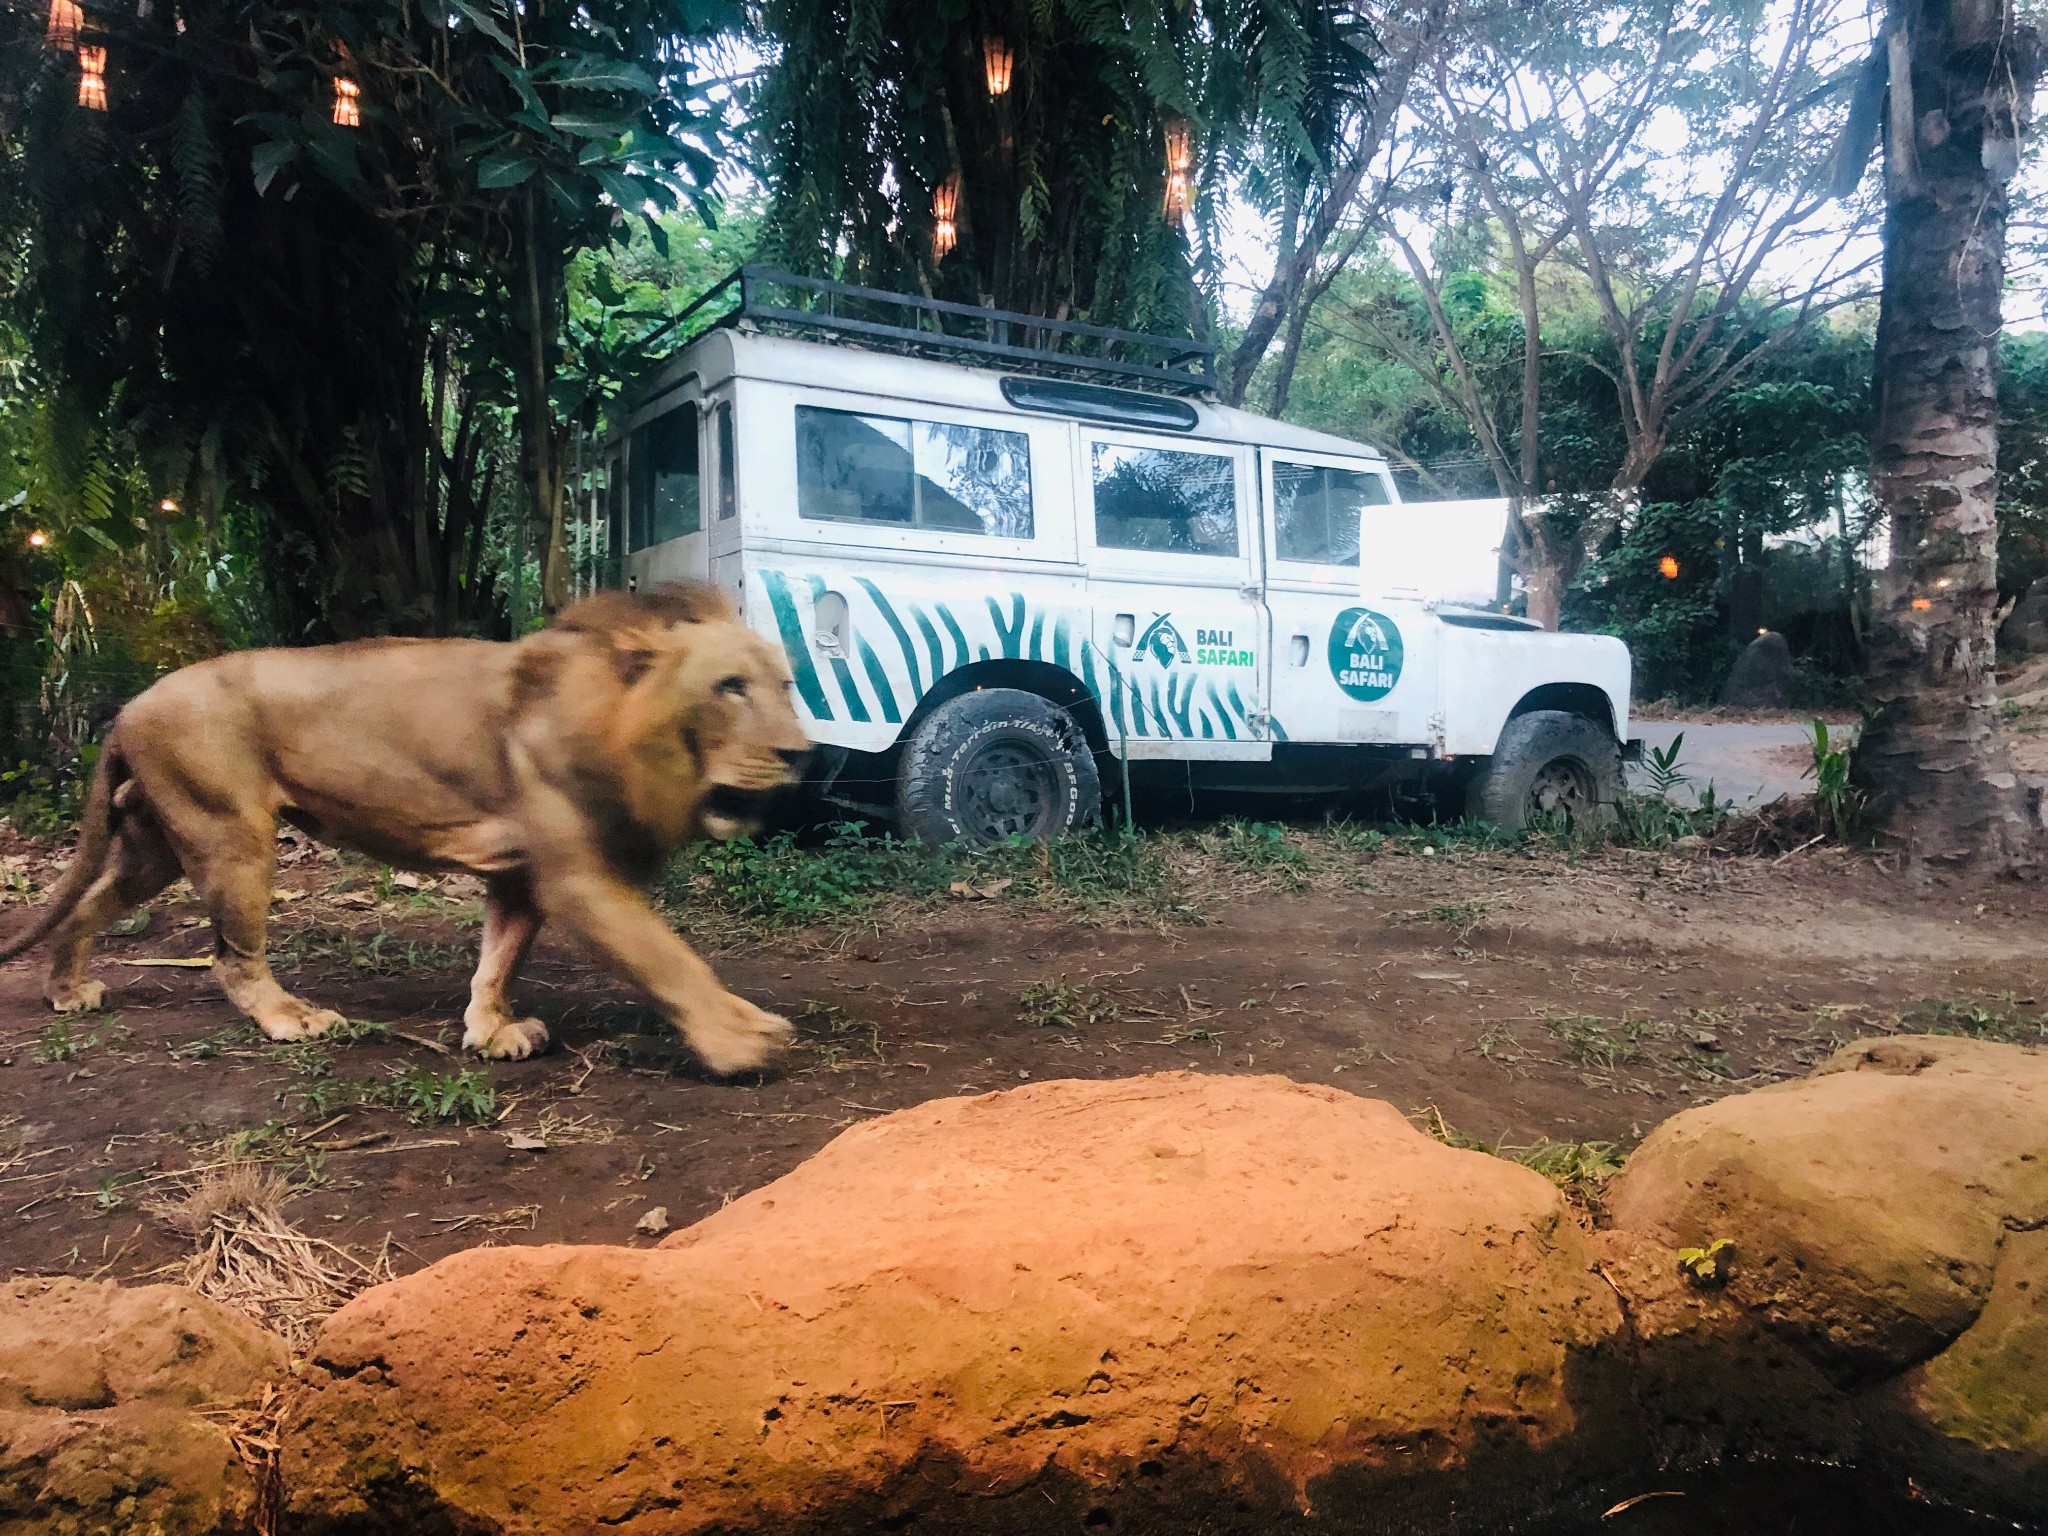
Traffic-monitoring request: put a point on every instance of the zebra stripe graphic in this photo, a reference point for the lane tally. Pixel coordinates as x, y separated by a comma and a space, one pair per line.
931, 638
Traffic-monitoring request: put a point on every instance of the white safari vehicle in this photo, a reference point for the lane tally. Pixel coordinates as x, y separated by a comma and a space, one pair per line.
1004, 572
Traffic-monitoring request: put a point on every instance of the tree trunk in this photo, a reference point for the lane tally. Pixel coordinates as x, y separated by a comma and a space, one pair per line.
1935, 759
540, 277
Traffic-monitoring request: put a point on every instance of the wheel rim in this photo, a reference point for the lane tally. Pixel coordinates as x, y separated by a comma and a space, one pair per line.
1007, 789
1562, 788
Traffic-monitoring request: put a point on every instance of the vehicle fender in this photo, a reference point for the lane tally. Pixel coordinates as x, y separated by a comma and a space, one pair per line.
1487, 676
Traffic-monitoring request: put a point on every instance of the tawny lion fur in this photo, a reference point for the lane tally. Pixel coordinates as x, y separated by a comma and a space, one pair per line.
560, 770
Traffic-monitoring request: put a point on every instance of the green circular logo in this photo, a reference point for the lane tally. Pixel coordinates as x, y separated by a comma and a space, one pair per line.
1365, 653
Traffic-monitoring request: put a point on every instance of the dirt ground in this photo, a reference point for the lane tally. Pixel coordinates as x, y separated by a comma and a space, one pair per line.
1524, 997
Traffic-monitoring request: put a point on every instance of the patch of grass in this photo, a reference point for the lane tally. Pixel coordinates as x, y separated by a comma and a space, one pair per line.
1058, 1004
781, 884
1580, 1169
426, 1097
841, 1040
1257, 847
1601, 1044
1998, 1018
235, 1036
62, 1040
378, 953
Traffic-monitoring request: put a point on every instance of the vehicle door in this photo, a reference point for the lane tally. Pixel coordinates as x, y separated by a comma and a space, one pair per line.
1172, 556
1353, 660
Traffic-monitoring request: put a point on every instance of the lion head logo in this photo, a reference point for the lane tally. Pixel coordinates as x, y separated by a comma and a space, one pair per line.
1162, 642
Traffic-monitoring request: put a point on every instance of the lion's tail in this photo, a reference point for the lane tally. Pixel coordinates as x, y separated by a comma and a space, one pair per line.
95, 837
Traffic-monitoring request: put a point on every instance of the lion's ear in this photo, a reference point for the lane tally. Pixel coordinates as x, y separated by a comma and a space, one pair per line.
633, 652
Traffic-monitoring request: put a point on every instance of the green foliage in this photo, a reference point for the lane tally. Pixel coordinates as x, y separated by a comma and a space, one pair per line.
868, 107
1998, 1018
451, 1097
1839, 801
1708, 1266
781, 883
61, 1040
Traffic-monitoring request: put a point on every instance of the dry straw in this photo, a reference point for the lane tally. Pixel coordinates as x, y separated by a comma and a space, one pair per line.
251, 1257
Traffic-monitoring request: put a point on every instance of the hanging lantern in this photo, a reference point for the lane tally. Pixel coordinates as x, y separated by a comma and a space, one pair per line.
996, 61
945, 203
1179, 158
1668, 567
92, 78
348, 111
66, 18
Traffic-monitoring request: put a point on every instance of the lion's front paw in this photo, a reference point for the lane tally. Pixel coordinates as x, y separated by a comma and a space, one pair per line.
504, 1038
732, 1035
298, 1020
76, 996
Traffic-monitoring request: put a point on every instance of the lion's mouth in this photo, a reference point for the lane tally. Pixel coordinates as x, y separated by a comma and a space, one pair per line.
729, 811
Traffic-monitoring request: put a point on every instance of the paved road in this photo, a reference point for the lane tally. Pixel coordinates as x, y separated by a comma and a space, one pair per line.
1748, 764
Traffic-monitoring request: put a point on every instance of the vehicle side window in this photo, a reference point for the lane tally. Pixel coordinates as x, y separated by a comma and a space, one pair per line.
1165, 499
1315, 511
912, 474
664, 479
728, 487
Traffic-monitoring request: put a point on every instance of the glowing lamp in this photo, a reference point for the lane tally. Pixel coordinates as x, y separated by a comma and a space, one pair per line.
945, 204
1179, 158
66, 18
92, 78
38, 539
1668, 567
167, 505
1922, 604
348, 111
996, 62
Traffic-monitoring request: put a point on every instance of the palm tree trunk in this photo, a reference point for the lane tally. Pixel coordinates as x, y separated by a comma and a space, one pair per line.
1936, 759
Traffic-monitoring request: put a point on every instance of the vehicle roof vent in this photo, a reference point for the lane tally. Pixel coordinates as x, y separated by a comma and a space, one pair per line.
1098, 402
783, 303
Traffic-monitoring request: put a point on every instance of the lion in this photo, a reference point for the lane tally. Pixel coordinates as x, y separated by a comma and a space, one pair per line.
561, 770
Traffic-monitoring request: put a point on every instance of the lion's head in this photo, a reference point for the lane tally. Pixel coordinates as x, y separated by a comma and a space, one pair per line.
693, 709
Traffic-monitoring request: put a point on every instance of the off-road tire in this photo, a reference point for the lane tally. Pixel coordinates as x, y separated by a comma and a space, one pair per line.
1550, 765
995, 764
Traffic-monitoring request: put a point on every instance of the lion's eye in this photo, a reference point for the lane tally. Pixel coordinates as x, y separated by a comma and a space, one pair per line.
734, 687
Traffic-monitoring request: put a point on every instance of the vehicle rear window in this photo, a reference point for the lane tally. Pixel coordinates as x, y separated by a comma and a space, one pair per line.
664, 479
937, 475
1165, 499
1315, 511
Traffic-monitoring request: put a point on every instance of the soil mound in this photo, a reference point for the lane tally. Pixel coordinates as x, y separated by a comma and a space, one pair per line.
100, 1392
1177, 1300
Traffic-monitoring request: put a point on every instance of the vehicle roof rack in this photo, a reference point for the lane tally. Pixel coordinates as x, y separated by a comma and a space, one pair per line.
784, 303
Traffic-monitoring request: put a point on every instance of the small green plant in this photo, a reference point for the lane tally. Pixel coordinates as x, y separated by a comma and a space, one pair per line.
455, 1097
59, 1041
1661, 769
1058, 1004
1838, 802
1708, 1266
108, 1197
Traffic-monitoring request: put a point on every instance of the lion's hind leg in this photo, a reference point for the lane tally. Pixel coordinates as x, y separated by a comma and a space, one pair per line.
139, 864
510, 922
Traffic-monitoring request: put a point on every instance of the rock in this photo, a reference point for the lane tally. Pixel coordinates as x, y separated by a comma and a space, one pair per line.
1762, 675
2025, 630
1889, 1221
98, 1391
1187, 1301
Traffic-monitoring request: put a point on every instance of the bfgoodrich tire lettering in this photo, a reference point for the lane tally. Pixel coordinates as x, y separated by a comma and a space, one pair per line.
1549, 764
995, 764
